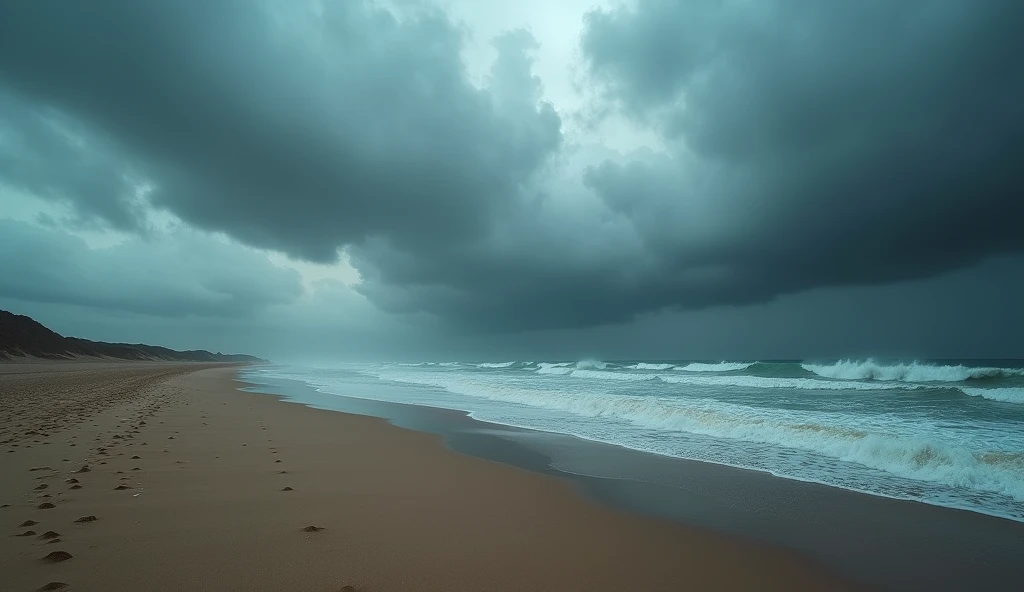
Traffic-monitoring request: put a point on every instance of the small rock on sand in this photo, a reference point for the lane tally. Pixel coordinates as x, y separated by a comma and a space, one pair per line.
135, 457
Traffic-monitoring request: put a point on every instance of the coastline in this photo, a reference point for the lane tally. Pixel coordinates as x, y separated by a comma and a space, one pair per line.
207, 507
881, 542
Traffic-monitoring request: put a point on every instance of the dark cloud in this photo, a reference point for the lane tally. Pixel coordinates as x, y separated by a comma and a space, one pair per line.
290, 128
178, 274
808, 145
46, 155
833, 143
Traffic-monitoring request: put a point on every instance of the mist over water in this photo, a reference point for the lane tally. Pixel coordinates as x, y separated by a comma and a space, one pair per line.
947, 433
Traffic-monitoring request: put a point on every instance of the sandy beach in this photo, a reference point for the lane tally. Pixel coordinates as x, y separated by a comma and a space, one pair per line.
195, 485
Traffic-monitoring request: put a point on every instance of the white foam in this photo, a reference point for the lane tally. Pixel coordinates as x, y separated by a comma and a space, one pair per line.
912, 456
719, 367
495, 364
1006, 395
912, 372
606, 375
646, 366
554, 368
589, 364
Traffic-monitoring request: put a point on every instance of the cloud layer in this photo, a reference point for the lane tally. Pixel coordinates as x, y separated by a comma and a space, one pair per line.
802, 146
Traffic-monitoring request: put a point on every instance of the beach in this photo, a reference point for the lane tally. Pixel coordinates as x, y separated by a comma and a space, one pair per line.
196, 485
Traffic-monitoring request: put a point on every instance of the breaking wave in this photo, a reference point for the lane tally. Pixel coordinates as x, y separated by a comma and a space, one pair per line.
1006, 395
647, 366
915, 457
912, 372
719, 367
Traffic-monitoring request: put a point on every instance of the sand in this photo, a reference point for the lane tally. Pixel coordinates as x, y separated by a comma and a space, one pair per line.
186, 483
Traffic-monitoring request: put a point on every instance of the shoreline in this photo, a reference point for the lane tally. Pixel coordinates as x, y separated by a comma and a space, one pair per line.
884, 542
187, 471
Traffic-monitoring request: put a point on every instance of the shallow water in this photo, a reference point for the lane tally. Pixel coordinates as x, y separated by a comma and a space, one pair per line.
946, 433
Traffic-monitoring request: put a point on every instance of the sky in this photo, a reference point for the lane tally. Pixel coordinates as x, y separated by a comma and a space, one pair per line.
465, 179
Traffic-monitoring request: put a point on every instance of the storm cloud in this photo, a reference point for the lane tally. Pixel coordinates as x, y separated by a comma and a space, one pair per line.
801, 146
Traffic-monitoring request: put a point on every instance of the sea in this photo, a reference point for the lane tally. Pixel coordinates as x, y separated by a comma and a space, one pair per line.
942, 432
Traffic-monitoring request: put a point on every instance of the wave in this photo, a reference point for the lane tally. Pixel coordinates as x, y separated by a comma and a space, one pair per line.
589, 364
604, 375
913, 457
760, 382
495, 364
912, 372
647, 366
1005, 395
719, 367
740, 380
554, 367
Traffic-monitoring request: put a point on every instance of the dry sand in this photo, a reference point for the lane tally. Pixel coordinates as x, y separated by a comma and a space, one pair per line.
193, 485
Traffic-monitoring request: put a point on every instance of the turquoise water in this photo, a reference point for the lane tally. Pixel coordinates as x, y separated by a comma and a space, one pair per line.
946, 433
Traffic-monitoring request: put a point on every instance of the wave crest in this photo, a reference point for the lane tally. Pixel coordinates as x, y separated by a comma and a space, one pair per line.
912, 372
719, 367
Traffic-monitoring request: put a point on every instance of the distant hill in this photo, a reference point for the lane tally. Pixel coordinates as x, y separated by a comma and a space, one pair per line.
24, 336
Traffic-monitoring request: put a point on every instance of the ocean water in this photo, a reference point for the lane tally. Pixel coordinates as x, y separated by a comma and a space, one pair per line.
949, 433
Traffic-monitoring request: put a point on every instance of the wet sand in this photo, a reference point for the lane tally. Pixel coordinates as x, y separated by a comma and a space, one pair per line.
195, 485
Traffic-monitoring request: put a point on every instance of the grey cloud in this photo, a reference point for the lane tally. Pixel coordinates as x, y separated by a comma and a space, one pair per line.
810, 145
825, 145
45, 154
290, 129
179, 274
833, 143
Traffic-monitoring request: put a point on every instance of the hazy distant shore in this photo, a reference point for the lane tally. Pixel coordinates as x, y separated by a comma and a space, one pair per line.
196, 485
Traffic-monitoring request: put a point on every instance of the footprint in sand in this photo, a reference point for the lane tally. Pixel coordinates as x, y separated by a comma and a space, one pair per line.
89, 518
50, 534
27, 533
287, 489
312, 528
27, 523
57, 556
52, 586
75, 487
46, 506
121, 488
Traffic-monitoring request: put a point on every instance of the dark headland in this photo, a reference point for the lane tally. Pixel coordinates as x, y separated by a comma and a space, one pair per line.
22, 336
